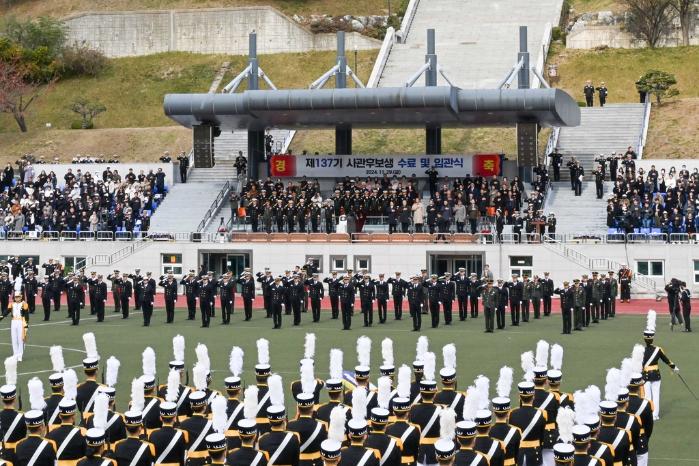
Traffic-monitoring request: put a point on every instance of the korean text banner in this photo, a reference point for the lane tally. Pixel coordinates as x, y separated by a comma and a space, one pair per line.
337, 166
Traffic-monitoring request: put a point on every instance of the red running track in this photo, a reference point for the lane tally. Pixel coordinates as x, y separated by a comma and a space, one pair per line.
636, 306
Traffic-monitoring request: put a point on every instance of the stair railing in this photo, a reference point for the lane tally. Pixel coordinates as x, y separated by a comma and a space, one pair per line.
644, 129
214, 206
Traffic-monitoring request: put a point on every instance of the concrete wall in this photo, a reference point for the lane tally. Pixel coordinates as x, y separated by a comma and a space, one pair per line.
96, 169
225, 31
589, 36
678, 260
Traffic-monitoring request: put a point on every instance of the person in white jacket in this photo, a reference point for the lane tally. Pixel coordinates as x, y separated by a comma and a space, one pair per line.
18, 310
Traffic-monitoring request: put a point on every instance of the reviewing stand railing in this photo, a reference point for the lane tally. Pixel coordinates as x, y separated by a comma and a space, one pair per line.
215, 206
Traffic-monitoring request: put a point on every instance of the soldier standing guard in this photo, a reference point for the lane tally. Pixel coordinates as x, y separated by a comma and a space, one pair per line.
116, 289
367, 296
398, 286
169, 285
147, 300
277, 298
227, 296
415, 302
247, 285
567, 302
316, 291
381, 287
334, 285
76, 300
651, 370
490, 302
447, 295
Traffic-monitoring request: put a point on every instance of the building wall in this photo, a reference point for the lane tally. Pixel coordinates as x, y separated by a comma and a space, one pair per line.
225, 31
589, 36
677, 259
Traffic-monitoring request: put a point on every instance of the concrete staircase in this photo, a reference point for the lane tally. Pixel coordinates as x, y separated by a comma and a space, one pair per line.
579, 214
184, 207
477, 42
221, 172
228, 144
602, 130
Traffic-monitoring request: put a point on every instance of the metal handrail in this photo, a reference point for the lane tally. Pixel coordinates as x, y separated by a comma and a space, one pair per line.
408, 18
644, 132
214, 206
382, 58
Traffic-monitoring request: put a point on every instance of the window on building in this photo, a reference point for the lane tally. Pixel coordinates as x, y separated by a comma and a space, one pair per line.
73, 263
651, 268
338, 263
696, 271
171, 263
362, 263
316, 261
521, 265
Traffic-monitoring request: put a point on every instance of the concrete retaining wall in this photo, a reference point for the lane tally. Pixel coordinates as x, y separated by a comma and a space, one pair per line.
589, 36
225, 31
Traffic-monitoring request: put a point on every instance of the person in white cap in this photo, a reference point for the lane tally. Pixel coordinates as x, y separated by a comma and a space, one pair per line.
651, 369
18, 310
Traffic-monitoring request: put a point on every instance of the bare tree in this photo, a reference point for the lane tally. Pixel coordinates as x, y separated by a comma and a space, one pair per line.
685, 11
16, 94
649, 20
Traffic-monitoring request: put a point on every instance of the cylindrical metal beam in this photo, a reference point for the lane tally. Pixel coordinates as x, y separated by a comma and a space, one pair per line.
431, 58
253, 82
341, 73
523, 55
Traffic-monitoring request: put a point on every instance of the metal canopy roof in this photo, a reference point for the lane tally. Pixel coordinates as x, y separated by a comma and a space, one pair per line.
373, 108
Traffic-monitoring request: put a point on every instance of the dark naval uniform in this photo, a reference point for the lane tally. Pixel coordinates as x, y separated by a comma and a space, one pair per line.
197, 428
170, 291
96, 460
355, 455
12, 430
450, 398
227, 296
70, 443
531, 421
247, 456
426, 416
469, 457
510, 437
389, 448
492, 449
323, 412
134, 452
190, 291
398, 286
247, 288
311, 434
548, 401
334, 293
162, 439
116, 429
41, 452
620, 442
409, 436
288, 454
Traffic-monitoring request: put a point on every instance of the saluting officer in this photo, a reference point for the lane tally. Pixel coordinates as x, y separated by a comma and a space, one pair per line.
266, 280
398, 287
169, 285
567, 302
474, 286
76, 299
381, 287
189, 283
227, 296
462, 286
367, 296
316, 291
334, 285
206, 292
347, 295
277, 298
579, 298
447, 294
515, 288
147, 300
503, 300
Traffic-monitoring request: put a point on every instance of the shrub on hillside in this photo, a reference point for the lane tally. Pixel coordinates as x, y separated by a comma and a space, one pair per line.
81, 60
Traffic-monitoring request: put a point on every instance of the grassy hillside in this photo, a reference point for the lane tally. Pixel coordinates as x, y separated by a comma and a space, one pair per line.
132, 89
61, 8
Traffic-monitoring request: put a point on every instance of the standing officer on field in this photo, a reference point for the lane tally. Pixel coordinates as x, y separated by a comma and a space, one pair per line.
316, 292
398, 286
381, 287
547, 292
205, 292
190, 286
474, 286
247, 291
334, 285
415, 299
515, 287
462, 285
100, 297
579, 300
567, 302
347, 302
76, 299
277, 298
434, 296
147, 300
367, 296
169, 285
447, 294
589, 91
490, 301
227, 296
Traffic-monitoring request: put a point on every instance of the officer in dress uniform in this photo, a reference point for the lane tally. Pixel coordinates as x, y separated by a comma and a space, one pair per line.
434, 296
425, 414
278, 295
493, 449
35, 449
247, 291
356, 454
96, 450
310, 432
98, 297
170, 442
367, 296
581, 443
447, 295
247, 454
226, 288
388, 447
116, 289
398, 287
516, 289
347, 294
316, 292
234, 411
415, 302
462, 285
630, 423
45, 297
334, 285
87, 390
532, 422
69, 439
147, 300
589, 92
406, 432
169, 285
547, 293
282, 446
651, 369
547, 401
197, 427
31, 289
12, 424
473, 293
206, 292
125, 293
137, 291
467, 455
190, 286
501, 430
503, 299
266, 280
602, 93
490, 302
597, 448
132, 451
579, 301
76, 299
527, 289
381, 287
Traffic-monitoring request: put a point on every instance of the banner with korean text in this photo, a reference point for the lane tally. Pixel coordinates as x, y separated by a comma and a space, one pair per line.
338, 166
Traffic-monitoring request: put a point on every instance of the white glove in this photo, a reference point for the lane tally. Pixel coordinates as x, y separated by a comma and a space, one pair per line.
676, 369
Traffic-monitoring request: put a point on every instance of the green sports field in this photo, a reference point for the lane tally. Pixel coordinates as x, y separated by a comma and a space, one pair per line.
587, 355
